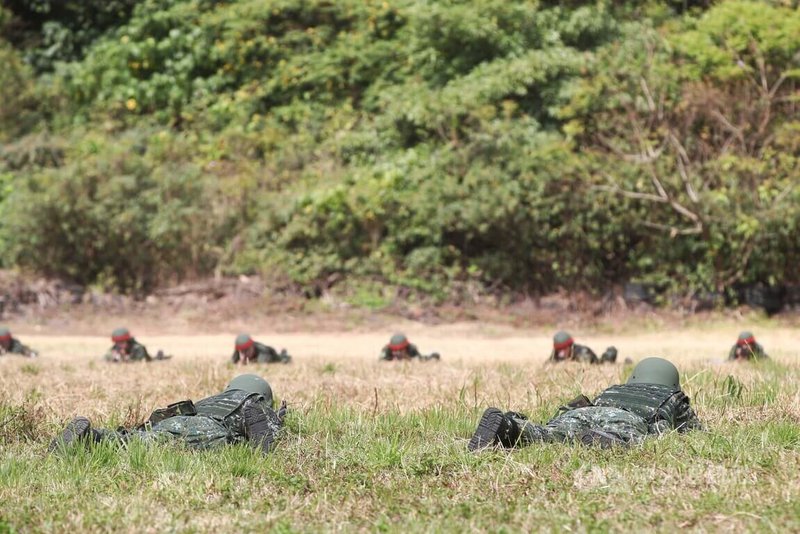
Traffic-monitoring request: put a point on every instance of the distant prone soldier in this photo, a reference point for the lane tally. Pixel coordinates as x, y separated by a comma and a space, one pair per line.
242, 413
566, 350
127, 349
247, 350
399, 348
12, 345
746, 348
650, 403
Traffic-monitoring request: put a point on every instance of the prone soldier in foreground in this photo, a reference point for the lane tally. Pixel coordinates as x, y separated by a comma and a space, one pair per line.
650, 403
243, 412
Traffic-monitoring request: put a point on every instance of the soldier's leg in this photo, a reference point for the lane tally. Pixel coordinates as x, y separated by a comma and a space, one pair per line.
510, 429
611, 427
526, 432
569, 425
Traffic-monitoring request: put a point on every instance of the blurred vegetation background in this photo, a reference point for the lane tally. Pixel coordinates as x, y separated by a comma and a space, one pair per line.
434, 147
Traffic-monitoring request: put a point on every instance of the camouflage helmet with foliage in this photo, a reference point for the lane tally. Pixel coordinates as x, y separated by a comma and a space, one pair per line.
252, 384
656, 371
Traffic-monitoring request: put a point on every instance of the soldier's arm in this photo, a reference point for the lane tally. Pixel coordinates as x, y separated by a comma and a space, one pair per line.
413, 352
112, 355
386, 354
18, 348
235, 356
732, 353
582, 353
273, 355
760, 354
685, 418
139, 352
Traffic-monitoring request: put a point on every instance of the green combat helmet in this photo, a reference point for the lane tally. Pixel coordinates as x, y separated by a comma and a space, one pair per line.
252, 384
655, 371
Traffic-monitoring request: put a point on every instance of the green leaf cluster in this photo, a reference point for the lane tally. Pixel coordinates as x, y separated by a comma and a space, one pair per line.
525, 146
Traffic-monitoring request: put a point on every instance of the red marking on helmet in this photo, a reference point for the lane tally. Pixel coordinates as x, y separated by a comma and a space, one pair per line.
564, 344
246, 345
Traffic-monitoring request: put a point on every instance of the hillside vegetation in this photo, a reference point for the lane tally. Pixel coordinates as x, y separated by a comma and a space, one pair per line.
427, 146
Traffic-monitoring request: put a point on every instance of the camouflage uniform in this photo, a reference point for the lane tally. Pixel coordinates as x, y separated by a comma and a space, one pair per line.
565, 349
135, 352
243, 412
261, 354
12, 345
651, 402
577, 353
399, 344
630, 412
746, 348
219, 420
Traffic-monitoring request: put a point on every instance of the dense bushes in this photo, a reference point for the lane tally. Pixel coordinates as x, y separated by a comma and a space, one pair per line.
517, 145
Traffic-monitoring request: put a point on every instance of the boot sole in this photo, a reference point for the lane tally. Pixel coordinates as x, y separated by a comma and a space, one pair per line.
76, 430
488, 427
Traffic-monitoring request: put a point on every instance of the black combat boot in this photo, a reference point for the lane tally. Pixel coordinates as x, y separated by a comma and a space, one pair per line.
493, 428
77, 431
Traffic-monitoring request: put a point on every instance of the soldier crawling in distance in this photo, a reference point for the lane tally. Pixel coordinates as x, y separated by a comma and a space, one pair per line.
399, 348
247, 350
566, 350
746, 348
127, 349
12, 345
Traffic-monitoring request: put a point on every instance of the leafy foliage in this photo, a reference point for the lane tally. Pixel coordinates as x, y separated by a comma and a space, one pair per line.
516, 145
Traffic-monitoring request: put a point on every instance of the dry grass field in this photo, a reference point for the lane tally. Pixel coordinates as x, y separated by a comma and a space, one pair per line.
382, 446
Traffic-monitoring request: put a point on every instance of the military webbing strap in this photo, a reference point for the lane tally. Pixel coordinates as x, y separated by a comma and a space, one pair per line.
224, 404
644, 400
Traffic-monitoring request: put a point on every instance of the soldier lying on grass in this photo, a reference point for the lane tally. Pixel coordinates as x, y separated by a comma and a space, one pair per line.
12, 345
127, 349
650, 403
400, 348
247, 350
747, 348
242, 413
566, 350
